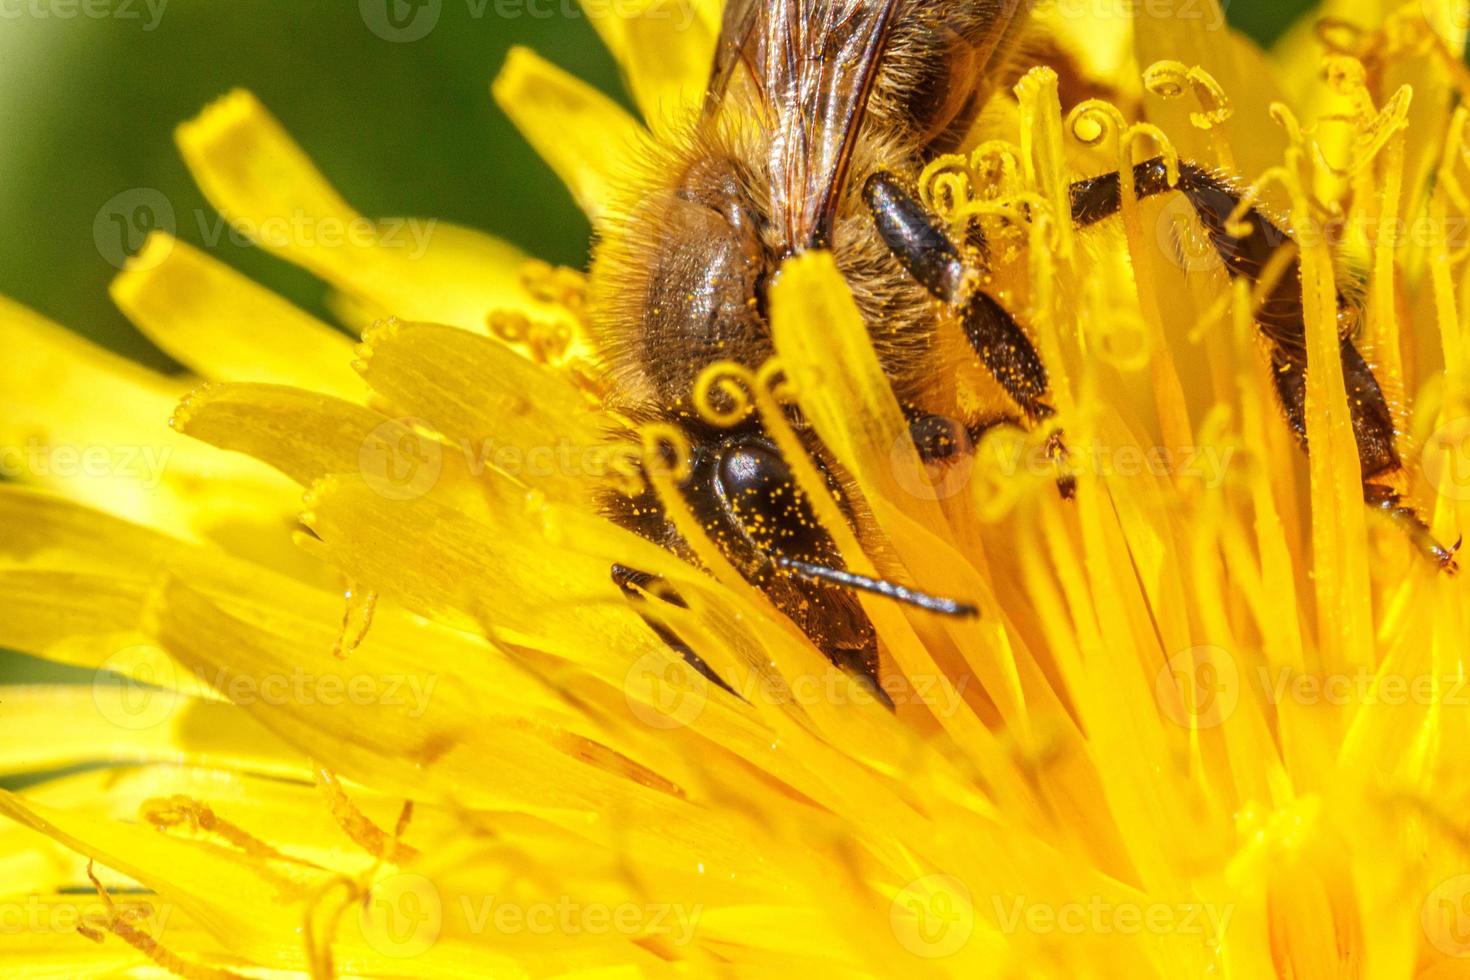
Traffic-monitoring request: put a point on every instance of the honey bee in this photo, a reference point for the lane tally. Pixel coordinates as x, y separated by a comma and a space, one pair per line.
818, 117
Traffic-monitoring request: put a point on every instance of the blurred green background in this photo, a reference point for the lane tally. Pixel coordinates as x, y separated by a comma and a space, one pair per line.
88, 105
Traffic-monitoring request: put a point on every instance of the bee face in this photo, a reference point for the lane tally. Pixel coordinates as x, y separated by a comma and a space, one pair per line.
743, 492
703, 278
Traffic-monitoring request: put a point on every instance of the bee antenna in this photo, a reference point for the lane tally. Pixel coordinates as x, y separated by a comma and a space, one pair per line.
877, 586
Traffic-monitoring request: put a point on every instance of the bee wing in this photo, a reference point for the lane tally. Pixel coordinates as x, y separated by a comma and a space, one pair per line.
812, 63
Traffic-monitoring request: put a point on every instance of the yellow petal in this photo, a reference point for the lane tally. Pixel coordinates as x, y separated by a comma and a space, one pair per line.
581, 134
669, 50
309, 436
129, 722
288, 814
426, 738
477, 574
459, 276
94, 427
230, 898
264, 184
226, 328
500, 409
87, 621
304, 435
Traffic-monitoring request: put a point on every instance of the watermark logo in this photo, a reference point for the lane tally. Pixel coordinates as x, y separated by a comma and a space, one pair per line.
934, 459
412, 693
143, 215
1447, 18
1446, 459
933, 917
1210, 15
136, 687
124, 223
1198, 687
406, 21
405, 914
665, 692
402, 916
1202, 686
400, 21
566, 916
1182, 239
1445, 917
62, 916
1004, 455
399, 461
139, 687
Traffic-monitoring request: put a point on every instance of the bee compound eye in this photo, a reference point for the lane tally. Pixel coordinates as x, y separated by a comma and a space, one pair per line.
750, 467
761, 499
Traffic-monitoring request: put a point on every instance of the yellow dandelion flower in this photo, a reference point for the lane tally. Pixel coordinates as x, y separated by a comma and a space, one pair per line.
1207, 721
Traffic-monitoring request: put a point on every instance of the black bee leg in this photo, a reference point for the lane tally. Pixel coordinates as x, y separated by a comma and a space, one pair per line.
922, 247
1374, 432
939, 439
633, 584
1388, 501
916, 239
1280, 314
1282, 320
1009, 355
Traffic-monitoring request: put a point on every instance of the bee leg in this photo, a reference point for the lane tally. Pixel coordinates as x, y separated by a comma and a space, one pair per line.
939, 439
1280, 315
1010, 357
1282, 321
916, 239
1377, 454
922, 247
1213, 200
1388, 501
633, 585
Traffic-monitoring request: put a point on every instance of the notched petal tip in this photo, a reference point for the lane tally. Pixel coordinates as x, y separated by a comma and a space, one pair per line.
221, 115
184, 411
381, 332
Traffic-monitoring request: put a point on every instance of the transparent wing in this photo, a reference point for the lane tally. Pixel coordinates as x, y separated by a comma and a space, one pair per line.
812, 64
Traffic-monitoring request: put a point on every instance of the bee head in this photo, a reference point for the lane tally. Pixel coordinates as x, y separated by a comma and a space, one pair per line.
743, 492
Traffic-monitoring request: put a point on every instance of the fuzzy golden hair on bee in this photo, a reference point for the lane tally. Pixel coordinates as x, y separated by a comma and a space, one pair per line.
666, 244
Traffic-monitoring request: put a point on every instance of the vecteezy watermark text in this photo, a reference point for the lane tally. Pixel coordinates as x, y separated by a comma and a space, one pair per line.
405, 21
146, 12
1096, 915
37, 914
124, 223
406, 913
668, 693
1201, 687
139, 687
41, 460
